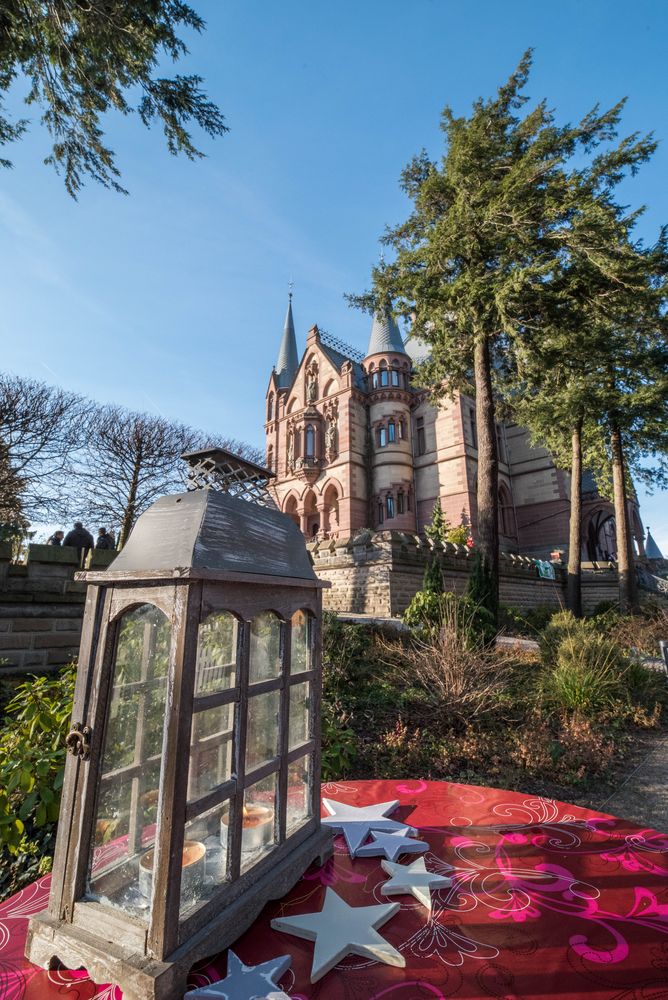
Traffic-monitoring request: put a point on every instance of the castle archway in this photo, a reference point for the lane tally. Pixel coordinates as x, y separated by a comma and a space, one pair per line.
331, 511
290, 508
311, 518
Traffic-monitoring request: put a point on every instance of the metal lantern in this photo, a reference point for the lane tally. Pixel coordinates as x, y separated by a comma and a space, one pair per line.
191, 795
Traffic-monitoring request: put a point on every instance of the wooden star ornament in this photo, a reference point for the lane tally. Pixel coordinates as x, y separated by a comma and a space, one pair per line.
246, 982
413, 879
357, 822
339, 930
391, 845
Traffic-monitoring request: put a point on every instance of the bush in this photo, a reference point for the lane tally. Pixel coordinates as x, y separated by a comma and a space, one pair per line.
588, 672
346, 649
32, 763
429, 613
481, 590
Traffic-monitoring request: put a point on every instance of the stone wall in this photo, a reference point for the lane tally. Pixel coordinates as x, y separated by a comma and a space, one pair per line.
41, 608
378, 573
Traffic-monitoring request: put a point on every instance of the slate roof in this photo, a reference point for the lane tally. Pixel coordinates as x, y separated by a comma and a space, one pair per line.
210, 531
338, 360
652, 550
385, 336
288, 360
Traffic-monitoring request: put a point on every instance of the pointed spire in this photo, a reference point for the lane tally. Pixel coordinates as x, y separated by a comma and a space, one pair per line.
652, 550
385, 336
288, 360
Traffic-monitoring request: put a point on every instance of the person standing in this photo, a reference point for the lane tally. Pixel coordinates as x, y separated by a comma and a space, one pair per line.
56, 538
81, 540
104, 540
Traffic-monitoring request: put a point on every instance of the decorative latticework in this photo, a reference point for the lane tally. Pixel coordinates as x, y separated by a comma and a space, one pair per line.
223, 470
340, 345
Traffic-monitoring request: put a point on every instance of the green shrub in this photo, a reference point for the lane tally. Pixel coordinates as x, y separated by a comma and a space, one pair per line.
346, 649
339, 743
433, 577
32, 757
481, 590
588, 673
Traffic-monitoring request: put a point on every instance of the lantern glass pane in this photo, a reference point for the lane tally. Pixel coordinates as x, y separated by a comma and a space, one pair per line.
205, 857
258, 834
210, 750
216, 653
300, 800
265, 647
299, 712
300, 648
121, 864
262, 731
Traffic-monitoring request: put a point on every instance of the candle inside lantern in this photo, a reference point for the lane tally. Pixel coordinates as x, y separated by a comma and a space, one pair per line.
257, 827
192, 867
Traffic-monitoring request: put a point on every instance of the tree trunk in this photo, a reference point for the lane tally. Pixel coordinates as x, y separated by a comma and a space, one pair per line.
130, 506
625, 562
574, 589
488, 466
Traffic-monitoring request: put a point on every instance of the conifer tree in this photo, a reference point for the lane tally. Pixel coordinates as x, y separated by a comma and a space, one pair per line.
475, 260
81, 60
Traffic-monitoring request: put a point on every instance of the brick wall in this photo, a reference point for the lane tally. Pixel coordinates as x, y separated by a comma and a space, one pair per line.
41, 608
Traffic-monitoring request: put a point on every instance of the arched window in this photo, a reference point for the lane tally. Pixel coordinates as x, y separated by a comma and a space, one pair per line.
270, 407
506, 513
382, 437
400, 502
384, 375
391, 431
270, 457
381, 511
310, 441
374, 380
395, 377
389, 506
402, 429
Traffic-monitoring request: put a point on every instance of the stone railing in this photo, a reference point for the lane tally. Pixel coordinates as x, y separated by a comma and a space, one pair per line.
41, 607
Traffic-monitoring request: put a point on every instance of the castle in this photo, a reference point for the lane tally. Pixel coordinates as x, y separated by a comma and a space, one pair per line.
355, 444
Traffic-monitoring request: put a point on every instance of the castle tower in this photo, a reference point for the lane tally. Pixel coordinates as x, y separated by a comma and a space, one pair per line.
390, 486
282, 377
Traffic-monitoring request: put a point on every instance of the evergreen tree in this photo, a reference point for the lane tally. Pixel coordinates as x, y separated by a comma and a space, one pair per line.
433, 577
81, 61
475, 259
438, 527
479, 263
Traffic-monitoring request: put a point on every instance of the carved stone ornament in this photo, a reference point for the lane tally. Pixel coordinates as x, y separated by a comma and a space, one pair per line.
312, 384
78, 740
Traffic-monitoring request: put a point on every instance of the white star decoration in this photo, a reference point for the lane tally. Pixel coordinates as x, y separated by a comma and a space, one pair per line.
391, 845
339, 930
356, 823
413, 879
246, 982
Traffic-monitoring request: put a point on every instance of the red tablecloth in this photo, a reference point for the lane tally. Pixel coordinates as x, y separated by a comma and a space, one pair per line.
548, 901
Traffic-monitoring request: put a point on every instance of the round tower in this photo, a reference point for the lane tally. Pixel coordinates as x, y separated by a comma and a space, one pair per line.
387, 368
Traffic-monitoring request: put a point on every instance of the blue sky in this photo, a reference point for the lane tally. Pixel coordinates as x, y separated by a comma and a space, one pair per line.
172, 300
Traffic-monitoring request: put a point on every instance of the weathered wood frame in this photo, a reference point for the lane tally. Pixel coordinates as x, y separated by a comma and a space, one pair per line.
149, 958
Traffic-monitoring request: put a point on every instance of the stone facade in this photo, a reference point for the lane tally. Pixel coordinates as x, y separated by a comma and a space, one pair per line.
41, 608
355, 445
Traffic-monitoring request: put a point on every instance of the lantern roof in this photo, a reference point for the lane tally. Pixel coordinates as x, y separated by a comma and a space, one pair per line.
209, 534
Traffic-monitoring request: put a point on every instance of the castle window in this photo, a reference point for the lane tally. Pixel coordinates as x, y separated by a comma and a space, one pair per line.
421, 445
310, 441
270, 457
473, 427
395, 377
402, 429
389, 505
270, 407
384, 377
381, 512
500, 444
374, 380
408, 501
382, 437
391, 432
400, 503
